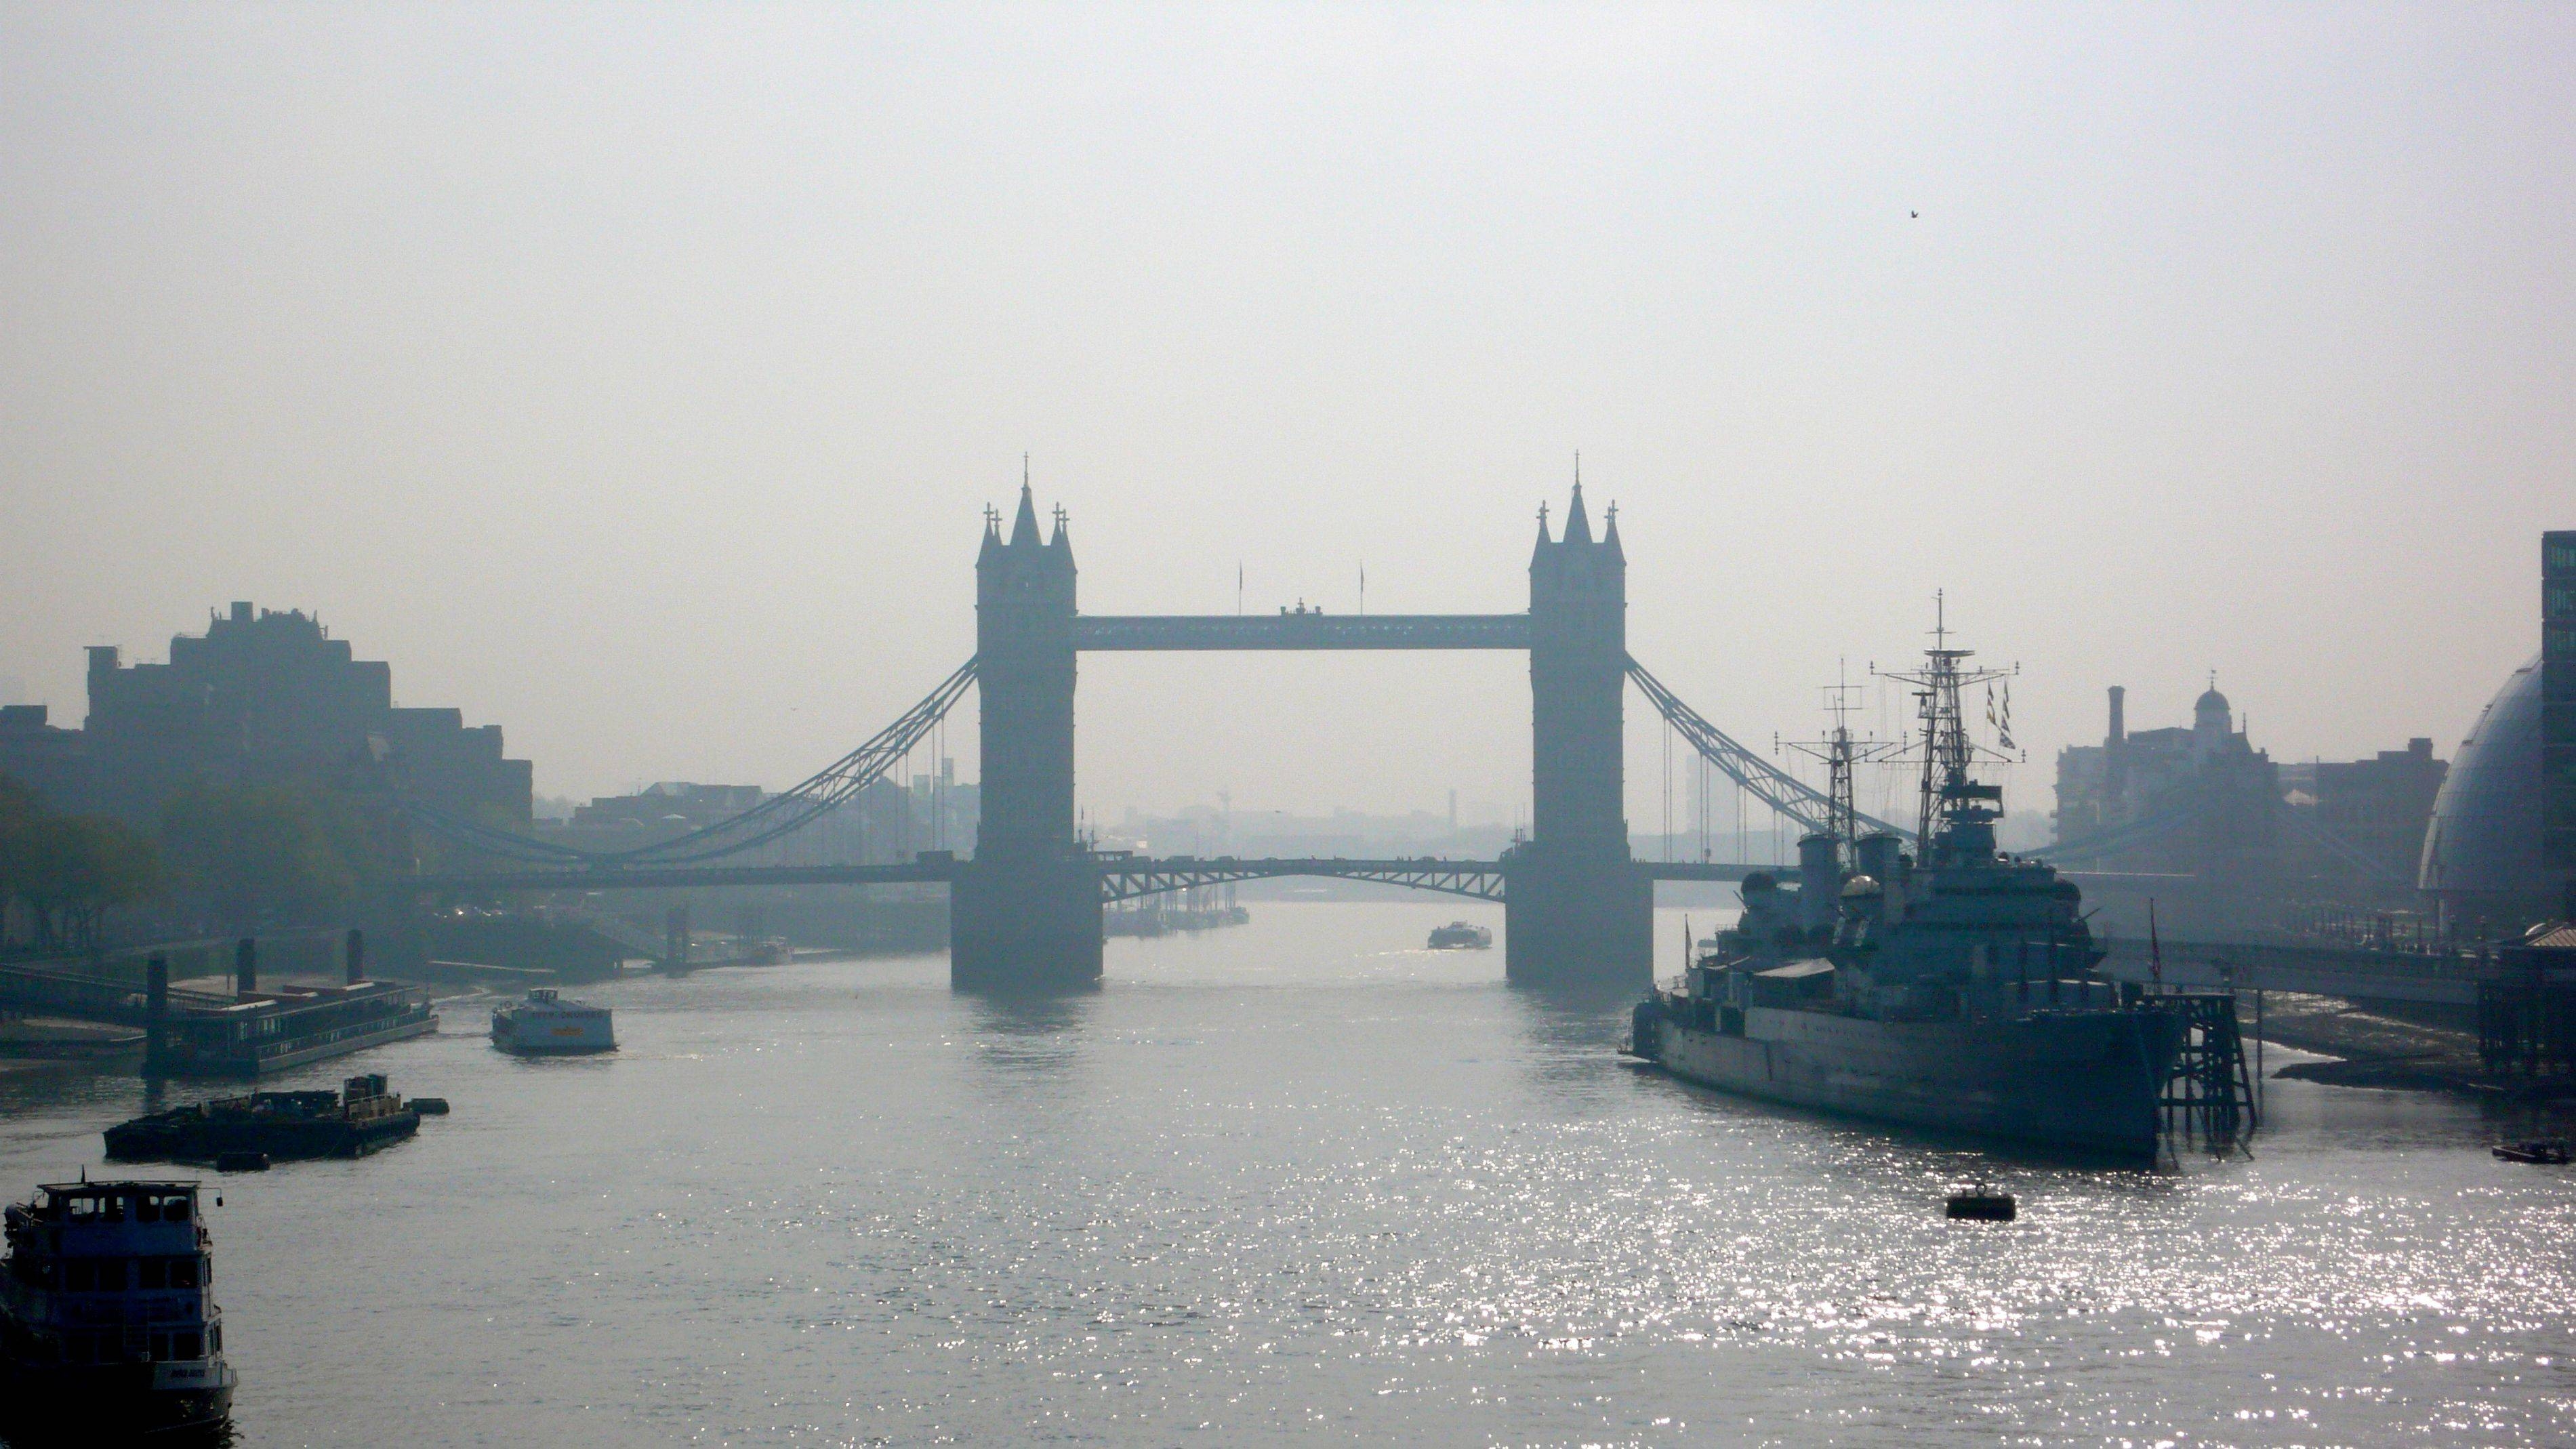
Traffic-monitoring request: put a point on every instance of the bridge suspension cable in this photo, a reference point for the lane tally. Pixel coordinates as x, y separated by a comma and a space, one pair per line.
780, 814
1787, 795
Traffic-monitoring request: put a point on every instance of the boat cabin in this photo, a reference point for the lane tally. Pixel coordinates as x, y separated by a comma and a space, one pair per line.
118, 1271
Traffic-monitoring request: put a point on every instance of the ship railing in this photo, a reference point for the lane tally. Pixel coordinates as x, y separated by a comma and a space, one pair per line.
115, 1309
305, 1041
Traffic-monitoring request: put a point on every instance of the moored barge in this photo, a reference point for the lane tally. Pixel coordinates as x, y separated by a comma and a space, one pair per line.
259, 1032
359, 1119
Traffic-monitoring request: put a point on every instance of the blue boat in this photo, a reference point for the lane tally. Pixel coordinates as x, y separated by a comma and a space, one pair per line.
108, 1326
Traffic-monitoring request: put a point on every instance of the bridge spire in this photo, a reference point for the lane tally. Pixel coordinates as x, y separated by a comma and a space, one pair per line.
1024, 524
1578, 525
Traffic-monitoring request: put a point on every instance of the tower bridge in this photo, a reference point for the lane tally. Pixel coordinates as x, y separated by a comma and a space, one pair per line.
1027, 906
1025, 909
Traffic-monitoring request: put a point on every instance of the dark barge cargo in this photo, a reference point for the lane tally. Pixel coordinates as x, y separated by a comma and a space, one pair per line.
280, 1125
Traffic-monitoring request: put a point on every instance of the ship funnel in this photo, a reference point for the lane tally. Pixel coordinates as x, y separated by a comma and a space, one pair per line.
357, 955
246, 967
1878, 858
1820, 880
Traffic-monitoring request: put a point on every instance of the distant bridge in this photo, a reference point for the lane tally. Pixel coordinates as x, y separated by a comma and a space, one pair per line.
1122, 877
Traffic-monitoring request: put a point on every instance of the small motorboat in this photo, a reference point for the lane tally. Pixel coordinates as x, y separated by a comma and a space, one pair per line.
1981, 1204
1462, 936
2548, 1151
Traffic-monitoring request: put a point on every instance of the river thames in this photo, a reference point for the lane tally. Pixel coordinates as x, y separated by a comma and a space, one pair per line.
1305, 1180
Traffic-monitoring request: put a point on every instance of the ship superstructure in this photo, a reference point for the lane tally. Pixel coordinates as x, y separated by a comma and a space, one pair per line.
1947, 986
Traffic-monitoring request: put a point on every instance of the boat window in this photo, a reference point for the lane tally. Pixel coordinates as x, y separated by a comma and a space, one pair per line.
215, 1338
183, 1274
188, 1345
80, 1275
82, 1208
160, 1347
175, 1209
153, 1272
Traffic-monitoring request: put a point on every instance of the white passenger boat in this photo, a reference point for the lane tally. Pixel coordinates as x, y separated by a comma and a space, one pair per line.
547, 1025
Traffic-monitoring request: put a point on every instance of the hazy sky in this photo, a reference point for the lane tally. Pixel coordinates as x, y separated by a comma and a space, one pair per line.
635, 377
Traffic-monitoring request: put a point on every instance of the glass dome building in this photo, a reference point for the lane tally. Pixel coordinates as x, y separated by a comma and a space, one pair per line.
2482, 852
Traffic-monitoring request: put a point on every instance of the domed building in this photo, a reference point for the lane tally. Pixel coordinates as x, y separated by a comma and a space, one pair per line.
2482, 858
2200, 802
2210, 719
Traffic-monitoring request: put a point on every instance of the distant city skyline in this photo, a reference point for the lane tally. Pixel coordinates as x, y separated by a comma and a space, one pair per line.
644, 397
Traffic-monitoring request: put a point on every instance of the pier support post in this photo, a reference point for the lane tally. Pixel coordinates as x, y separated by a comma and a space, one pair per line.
156, 1012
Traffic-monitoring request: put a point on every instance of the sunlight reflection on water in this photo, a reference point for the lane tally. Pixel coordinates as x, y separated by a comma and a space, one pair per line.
1305, 1179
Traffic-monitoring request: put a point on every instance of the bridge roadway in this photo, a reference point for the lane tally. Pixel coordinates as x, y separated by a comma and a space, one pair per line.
1309, 630
1122, 877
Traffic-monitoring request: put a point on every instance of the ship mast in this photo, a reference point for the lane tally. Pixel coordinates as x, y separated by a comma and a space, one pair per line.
1948, 753
1840, 752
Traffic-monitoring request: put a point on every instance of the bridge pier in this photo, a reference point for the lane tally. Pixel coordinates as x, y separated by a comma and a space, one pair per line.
1024, 925
1577, 922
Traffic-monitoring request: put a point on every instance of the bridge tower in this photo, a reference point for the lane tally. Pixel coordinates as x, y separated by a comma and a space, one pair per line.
1578, 909
1026, 910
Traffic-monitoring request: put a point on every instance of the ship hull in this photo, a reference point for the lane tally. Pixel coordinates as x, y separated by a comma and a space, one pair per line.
524, 1041
2083, 1082
166, 1138
91, 1404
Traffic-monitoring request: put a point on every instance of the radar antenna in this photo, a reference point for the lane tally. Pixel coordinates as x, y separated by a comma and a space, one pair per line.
1945, 750
1840, 752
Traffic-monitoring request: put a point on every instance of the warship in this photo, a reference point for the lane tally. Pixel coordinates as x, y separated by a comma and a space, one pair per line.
1948, 987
